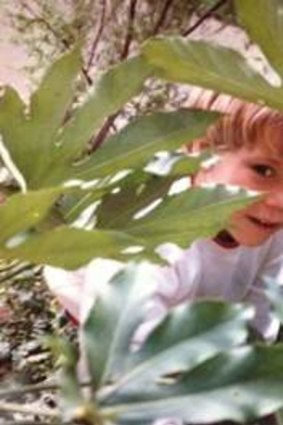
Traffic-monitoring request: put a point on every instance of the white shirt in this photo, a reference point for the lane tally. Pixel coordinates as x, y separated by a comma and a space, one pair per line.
204, 270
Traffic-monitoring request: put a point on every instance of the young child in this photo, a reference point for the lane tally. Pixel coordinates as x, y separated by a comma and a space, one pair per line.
248, 142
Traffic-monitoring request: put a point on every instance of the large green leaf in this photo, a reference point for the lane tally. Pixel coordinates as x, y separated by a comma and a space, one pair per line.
133, 146
264, 22
30, 136
239, 385
198, 212
134, 193
117, 86
108, 327
69, 247
23, 211
39, 141
188, 336
210, 66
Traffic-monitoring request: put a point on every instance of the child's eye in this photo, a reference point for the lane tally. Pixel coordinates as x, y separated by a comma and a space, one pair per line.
263, 170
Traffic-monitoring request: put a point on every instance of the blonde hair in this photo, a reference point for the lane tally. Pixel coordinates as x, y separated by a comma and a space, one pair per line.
243, 124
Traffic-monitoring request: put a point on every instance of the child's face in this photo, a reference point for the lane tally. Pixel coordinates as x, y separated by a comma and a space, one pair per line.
257, 169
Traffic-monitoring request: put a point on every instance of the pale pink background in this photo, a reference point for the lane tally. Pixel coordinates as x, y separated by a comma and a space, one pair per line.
13, 58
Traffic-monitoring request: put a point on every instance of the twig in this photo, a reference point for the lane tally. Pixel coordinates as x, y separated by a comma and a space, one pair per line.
62, 40
103, 133
101, 136
162, 17
206, 15
130, 30
97, 36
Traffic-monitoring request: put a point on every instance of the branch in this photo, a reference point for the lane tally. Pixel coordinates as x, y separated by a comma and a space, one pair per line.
97, 36
62, 40
102, 133
130, 30
162, 17
205, 16
99, 139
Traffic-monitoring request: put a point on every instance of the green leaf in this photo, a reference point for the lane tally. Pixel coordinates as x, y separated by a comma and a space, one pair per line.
210, 66
263, 20
134, 193
134, 146
108, 330
187, 337
198, 212
240, 385
117, 86
22, 212
38, 142
31, 139
69, 247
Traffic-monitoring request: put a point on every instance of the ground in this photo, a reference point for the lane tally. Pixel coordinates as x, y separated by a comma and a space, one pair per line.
28, 312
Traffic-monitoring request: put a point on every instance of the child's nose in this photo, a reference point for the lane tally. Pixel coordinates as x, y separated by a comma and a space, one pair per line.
275, 199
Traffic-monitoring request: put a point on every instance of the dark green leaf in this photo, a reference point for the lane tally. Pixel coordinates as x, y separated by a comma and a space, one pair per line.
239, 385
118, 310
187, 337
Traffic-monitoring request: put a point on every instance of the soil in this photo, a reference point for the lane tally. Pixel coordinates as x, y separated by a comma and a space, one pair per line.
28, 313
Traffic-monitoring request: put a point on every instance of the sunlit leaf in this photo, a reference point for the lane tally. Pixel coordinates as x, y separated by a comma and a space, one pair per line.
210, 66
24, 211
30, 133
69, 247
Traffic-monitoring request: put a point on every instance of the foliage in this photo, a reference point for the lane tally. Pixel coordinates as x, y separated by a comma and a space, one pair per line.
43, 146
196, 365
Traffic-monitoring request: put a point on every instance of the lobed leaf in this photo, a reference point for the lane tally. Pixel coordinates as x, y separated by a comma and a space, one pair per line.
134, 145
123, 298
210, 66
188, 336
31, 139
23, 211
198, 212
111, 92
240, 385
70, 248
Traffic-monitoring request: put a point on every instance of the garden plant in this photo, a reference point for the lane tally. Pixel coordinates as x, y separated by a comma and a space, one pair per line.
199, 364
